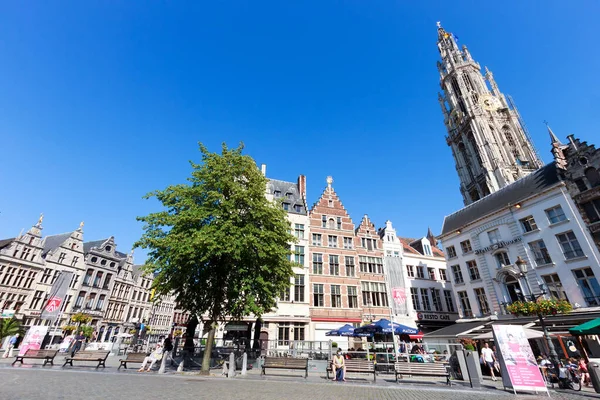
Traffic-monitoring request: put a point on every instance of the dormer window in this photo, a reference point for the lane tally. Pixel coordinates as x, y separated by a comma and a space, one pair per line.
297, 208
286, 206
427, 249
108, 248
288, 195
277, 193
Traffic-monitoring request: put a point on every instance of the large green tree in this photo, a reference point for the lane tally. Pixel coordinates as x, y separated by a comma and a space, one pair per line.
219, 245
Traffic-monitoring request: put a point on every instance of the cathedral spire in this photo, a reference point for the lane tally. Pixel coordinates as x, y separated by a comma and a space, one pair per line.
489, 142
553, 139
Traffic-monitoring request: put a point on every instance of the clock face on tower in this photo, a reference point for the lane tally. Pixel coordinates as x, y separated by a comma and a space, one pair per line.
489, 102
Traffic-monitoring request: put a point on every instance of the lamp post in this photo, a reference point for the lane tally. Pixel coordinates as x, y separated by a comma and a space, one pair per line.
522, 266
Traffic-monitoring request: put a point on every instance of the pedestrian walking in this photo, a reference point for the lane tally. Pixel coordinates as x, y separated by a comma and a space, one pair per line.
78, 342
488, 358
11, 344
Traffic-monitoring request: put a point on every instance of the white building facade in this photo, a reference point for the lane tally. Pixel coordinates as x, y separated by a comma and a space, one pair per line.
417, 277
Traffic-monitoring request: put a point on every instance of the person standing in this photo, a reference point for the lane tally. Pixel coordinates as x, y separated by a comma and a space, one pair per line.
78, 342
11, 345
488, 357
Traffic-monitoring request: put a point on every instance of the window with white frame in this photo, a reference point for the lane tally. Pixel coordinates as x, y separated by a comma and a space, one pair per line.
299, 288
502, 259
473, 270
427, 249
348, 243
425, 299
555, 287
465, 303
350, 267
336, 296
299, 254
414, 294
494, 236
449, 298
540, 252
339, 222
588, 284
555, 215
431, 273
482, 301
528, 224
443, 275
458, 276
437, 300
352, 297
332, 241
420, 272
466, 246
334, 265
316, 239
318, 295
317, 263
299, 231
450, 252
323, 221
570, 245
374, 294
410, 271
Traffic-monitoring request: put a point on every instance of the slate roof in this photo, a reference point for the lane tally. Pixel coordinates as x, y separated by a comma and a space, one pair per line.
136, 270
87, 246
6, 242
54, 241
536, 182
290, 193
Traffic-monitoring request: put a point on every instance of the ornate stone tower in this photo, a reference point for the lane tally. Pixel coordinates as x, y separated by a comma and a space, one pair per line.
488, 139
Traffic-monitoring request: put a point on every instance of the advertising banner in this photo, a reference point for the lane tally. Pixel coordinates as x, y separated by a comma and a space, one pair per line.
57, 296
33, 339
399, 295
520, 370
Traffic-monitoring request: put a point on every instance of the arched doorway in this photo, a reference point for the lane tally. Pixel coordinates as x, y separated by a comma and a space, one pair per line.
513, 288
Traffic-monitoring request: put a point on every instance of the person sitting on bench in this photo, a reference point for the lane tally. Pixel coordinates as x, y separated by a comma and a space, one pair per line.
338, 367
155, 356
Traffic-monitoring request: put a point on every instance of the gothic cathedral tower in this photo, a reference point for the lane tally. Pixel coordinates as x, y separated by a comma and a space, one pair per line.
489, 142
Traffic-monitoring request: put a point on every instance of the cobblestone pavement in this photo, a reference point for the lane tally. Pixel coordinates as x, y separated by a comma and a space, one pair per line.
55, 384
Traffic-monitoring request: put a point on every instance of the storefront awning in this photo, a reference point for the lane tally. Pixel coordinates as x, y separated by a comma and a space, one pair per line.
588, 328
453, 331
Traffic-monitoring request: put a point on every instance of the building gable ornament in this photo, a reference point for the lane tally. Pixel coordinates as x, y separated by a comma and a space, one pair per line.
498, 245
500, 221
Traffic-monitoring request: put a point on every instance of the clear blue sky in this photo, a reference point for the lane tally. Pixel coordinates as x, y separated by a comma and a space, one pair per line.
102, 102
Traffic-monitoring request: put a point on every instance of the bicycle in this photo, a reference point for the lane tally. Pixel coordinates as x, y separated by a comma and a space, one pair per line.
566, 378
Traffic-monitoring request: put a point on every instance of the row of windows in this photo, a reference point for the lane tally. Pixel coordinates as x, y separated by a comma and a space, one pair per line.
88, 301
373, 295
420, 273
431, 300
16, 277
297, 289
367, 265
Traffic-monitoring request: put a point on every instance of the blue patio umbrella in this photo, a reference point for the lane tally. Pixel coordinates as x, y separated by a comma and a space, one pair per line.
385, 326
347, 330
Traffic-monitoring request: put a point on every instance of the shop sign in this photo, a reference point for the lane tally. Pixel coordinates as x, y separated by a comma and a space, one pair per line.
434, 317
498, 245
8, 313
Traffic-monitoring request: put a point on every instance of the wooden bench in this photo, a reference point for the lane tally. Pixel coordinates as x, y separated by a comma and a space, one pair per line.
132, 358
46, 355
358, 366
423, 369
286, 363
99, 356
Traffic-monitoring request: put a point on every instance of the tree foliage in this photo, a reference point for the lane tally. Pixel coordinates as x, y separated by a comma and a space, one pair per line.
81, 318
219, 245
10, 327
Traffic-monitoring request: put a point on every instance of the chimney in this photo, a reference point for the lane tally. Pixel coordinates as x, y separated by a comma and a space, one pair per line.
263, 169
302, 185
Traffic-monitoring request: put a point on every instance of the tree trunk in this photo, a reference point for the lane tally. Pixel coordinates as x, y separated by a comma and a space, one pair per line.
188, 345
208, 350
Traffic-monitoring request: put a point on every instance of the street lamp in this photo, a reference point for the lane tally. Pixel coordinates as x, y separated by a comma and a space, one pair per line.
522, 269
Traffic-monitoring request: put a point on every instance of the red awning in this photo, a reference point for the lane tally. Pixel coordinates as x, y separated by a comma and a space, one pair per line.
419, 335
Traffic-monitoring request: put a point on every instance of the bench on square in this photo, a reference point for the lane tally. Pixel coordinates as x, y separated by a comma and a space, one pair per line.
357, 366
46, 355
423, 369
286, 363
98, 356
132, 358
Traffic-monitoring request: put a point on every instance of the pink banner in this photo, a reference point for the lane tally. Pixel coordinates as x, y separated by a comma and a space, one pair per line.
399, 295
518, 358
33, 339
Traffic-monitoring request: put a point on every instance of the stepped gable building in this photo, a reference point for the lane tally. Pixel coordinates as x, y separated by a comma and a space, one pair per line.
545, 217
334, 278
489, 141
374, 293
21, 265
